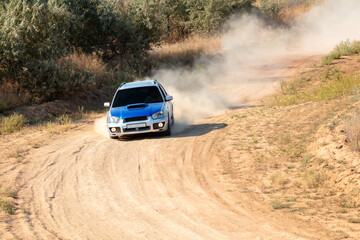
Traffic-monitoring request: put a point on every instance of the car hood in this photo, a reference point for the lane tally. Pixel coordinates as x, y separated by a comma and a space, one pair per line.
136, 110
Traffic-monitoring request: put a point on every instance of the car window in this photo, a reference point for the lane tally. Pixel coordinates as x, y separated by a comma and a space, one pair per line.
163, 91
137, 95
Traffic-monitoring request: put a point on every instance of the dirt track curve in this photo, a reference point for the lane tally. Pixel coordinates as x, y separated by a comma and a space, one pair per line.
85, 186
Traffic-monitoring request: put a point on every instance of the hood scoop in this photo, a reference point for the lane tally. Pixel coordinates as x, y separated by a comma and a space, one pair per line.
138, 105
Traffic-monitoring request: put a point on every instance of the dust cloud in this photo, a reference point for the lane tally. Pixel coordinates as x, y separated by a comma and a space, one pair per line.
100, 127
251, 62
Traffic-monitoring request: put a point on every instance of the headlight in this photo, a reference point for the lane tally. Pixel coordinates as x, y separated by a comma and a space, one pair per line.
157, 115
113, 119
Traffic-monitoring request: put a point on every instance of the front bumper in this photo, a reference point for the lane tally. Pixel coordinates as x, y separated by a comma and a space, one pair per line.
136, 127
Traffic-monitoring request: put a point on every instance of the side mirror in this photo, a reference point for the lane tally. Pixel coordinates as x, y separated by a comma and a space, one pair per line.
107, 104
169, 98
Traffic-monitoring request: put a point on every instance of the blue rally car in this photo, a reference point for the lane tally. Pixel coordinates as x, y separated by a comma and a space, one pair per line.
140, 107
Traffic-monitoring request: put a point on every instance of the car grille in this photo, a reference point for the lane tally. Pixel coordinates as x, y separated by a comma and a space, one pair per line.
136, 129
134, 119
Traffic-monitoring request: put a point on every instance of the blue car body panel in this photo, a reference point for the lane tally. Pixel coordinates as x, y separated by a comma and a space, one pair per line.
126, 112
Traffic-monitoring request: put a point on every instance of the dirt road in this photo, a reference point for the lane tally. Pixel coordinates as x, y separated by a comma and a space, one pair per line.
85, 186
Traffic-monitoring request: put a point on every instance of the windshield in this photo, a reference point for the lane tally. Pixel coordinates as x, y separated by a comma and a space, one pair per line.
137, 95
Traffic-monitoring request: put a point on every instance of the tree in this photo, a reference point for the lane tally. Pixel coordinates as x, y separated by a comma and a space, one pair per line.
207, 16
35, 34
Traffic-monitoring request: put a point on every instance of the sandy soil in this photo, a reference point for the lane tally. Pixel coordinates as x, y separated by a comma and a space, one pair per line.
82, 185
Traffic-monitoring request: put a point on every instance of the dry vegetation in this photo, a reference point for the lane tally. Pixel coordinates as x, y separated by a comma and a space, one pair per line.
90, 63
353, 131
303, 147
284, 11
293, 9
186, 51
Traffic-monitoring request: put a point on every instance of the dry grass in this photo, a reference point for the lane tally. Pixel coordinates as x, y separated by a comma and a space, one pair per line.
90, 63
284, 11
293, 9
278, 205
344, 48
10, 98
321, 83
13, 123
353, 130
314, 178
10, 193
60, 125
186, 51
7, 206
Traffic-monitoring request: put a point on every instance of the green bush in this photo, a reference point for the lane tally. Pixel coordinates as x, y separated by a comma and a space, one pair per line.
35, 34
271, 8
208, 16
3, 106
344, 48
176, 19
7, 207
12, 123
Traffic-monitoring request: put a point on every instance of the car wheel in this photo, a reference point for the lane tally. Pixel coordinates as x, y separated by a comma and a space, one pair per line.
168, 130
114, 137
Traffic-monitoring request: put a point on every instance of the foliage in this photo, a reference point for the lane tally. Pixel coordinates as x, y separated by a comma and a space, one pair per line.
34, 34
7, 206
174, 19
270, 8
12, 123
344, 48
102, 28
10, 193
207, 16
278, 205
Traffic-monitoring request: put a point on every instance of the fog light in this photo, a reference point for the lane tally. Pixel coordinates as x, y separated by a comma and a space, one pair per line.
113, 129
160, 125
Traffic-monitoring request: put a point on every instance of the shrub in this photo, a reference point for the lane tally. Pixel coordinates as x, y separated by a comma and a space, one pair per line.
90, 63
10, 193
208, 16
176, 19
10, 97
271, 8
13, 123
278, 205
344, 48
35, 34
64, 120
7, 206
47, 80
314, 178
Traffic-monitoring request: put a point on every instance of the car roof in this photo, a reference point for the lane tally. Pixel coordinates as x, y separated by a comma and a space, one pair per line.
144, 83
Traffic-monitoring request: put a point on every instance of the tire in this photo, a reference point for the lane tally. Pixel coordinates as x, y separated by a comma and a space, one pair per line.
168, 130
114, 137
173, 119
